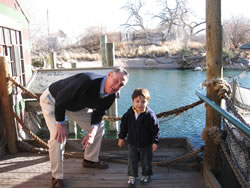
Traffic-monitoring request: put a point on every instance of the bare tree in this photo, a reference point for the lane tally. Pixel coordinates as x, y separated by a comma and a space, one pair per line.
90, 40
135, 19
193, 28
236, 31
171, 16
136, 22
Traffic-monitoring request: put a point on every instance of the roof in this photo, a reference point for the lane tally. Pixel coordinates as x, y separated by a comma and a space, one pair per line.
245, 46
22, 10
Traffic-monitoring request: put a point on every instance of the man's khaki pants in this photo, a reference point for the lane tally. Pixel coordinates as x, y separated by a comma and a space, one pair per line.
56, 149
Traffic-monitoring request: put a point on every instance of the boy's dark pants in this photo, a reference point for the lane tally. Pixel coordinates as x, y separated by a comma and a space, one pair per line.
144, 155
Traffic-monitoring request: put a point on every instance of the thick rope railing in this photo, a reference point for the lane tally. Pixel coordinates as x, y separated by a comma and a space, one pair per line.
80, 155
167, 163
27, 130
215, 134
176, 112
223, 90
41, 142
179, 159
22, 88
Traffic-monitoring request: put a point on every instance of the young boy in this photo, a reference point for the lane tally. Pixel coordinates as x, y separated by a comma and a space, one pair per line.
141, 126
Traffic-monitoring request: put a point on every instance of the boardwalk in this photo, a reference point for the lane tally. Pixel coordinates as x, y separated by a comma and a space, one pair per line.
29, 170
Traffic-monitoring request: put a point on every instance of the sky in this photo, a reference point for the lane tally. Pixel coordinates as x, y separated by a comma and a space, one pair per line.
74, 16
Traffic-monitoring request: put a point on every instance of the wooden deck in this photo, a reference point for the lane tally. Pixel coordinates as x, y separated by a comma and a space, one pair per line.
29, 170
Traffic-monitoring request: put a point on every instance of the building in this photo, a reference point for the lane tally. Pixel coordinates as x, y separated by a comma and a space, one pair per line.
14, 45
14, 39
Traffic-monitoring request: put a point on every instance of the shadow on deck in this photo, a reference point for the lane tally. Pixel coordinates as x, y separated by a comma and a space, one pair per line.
29, 170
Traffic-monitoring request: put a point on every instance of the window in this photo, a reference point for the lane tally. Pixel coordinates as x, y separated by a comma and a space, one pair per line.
11, 47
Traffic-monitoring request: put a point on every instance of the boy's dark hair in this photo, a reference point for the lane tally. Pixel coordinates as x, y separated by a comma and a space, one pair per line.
141, 92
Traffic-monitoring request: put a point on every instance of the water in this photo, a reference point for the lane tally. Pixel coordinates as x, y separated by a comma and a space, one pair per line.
171, 89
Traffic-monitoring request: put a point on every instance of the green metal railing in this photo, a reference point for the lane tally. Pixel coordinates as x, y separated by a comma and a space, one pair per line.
244, 128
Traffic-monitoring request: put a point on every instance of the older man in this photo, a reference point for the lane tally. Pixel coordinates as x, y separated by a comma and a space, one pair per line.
83, 98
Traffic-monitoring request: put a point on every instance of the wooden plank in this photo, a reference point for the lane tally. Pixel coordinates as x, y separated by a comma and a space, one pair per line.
30, 170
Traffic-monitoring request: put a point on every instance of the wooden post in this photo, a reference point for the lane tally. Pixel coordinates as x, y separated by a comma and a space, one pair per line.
112, 111
73, 65
103, 41
72, 128
214, 70
110, 54
8, 120
53, 60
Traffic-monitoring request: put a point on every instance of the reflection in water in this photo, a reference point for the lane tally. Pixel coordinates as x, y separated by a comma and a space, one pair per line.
171, 89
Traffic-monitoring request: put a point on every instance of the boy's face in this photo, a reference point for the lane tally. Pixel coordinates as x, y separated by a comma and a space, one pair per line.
140, 104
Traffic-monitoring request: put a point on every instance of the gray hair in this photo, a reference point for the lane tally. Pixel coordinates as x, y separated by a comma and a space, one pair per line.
121, 70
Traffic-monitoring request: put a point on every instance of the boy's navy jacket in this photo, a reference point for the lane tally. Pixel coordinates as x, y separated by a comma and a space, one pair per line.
142, 131
78, 92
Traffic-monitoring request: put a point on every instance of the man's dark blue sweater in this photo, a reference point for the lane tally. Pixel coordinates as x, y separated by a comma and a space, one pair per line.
142, 131
78, 92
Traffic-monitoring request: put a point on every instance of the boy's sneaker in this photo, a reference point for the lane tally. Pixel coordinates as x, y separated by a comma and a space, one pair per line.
145, 179
131, 181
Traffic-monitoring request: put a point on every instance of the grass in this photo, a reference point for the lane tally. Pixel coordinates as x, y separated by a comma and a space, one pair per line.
130, 50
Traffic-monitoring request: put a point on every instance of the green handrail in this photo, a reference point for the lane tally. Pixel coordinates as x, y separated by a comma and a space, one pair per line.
244, 128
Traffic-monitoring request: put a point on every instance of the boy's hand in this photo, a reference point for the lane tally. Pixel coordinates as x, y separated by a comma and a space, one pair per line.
154, 147
120, 143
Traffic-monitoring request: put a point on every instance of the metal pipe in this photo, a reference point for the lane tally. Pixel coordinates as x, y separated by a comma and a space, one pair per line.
244, 128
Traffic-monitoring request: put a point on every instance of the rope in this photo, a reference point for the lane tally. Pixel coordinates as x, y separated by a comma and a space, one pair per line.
21, 87
27, 130
179, 110
176, 111
160, 163
215, 134
236, 171
220, 85
179, 159
231, 107
41, 142
224, 91
80, 155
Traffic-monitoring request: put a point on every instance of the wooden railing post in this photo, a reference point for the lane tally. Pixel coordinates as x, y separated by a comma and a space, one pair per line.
6, 108
113, 112
214, 70
103, 42
110, 47
53, 60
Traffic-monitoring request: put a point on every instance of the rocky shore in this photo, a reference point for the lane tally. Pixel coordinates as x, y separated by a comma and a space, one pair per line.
197, 64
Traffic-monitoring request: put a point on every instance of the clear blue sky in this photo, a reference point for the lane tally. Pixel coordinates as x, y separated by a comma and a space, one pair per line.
75, 16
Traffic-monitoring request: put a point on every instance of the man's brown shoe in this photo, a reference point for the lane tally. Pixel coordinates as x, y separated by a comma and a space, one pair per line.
57, 183
90, 164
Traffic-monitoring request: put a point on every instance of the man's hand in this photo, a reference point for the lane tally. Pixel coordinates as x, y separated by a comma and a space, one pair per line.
154, 147
60, 133
89, 138
120, 143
